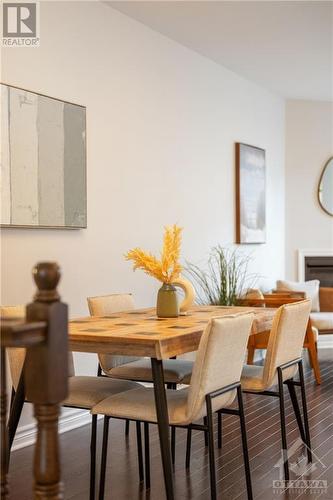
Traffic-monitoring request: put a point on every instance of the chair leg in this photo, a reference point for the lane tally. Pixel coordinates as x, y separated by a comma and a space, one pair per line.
206, 432
211, 450
313, 355
104, 457
283, 426
305, 411
188, 448
147, 454
219, 430
244, 444
173, 444
93, 457
127, 424
297, 412
312, 350
139, 448
250, 354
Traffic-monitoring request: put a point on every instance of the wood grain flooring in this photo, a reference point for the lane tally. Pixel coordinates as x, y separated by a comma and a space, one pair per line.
264, 446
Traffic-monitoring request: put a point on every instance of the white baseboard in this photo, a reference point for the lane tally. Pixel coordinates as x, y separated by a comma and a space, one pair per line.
26, 435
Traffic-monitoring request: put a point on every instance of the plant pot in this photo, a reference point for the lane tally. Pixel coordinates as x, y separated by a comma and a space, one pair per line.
167, 302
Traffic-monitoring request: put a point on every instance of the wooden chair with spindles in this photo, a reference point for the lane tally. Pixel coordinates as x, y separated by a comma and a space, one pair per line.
260, 341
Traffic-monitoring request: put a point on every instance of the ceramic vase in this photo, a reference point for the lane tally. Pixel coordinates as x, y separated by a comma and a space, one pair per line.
167, 302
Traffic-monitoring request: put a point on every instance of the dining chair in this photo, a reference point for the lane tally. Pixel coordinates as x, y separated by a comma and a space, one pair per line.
84, 392
260, 341
176, 371
214, 385
283, 361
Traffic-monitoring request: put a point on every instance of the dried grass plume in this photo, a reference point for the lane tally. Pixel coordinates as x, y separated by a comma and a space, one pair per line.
168, 268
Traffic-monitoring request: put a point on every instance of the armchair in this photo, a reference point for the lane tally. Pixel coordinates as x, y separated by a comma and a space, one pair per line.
323, 320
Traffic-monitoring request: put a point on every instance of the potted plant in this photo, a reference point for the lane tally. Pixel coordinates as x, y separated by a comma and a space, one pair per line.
225, 278
167, 269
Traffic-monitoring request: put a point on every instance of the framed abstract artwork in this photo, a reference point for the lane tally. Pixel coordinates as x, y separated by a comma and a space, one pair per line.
250, 194
43, 161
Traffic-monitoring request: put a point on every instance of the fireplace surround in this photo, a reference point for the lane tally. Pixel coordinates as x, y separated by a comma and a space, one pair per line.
316, 264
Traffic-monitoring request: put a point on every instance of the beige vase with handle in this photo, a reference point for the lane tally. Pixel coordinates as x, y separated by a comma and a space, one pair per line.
167, 302
189, 292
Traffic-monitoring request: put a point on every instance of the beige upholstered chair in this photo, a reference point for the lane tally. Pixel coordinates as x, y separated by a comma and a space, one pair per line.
84, 391
176, 371
283, 360
260, 341
214, 385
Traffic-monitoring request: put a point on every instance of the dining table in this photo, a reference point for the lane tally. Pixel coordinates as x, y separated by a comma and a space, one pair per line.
141, 333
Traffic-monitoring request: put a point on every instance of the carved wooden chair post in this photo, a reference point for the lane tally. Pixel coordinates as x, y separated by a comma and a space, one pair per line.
46, 379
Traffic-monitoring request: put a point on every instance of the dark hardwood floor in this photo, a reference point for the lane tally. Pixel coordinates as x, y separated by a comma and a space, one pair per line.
264, 446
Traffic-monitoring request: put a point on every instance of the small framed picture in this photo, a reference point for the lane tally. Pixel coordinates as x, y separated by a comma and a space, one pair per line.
250, 194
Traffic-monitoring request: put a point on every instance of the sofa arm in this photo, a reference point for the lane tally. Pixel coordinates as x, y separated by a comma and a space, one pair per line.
326, 299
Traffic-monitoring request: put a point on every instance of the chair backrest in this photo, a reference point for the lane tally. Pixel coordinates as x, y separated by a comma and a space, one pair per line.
253, 293
253, 297
16, 355
219, 361
104, 306
286, 337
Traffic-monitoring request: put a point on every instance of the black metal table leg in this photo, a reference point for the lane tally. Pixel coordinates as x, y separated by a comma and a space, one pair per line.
147, 454
139, 447
15, 413
93, 457
188, 448
173, 445
163, 424
104, 457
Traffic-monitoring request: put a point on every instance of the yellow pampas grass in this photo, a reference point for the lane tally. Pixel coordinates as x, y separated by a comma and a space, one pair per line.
168, 268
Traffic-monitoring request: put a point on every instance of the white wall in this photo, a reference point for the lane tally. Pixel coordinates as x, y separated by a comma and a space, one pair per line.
161, 126
309, 144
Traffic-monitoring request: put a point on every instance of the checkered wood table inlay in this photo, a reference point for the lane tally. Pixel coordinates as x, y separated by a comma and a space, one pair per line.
141, 333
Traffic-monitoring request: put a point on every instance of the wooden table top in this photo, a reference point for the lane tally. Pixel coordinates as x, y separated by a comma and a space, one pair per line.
141, 333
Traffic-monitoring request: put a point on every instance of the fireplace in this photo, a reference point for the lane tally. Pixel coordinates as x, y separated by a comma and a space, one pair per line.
316, 264
319, 268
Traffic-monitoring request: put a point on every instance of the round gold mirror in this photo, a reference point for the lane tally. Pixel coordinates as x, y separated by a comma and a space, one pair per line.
325, 188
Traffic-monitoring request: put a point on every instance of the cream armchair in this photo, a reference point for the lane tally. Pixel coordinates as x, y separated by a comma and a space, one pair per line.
323, 320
